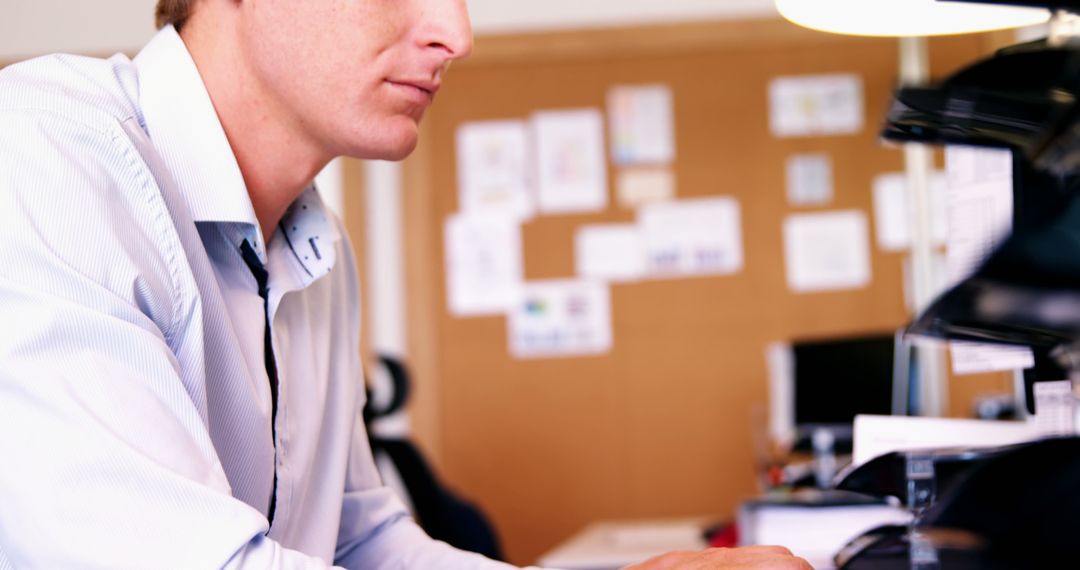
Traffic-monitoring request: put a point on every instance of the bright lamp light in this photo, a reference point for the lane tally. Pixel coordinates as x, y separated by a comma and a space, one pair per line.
905, 18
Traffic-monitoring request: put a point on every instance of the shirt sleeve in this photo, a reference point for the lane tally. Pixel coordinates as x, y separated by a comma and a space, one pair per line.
106, 458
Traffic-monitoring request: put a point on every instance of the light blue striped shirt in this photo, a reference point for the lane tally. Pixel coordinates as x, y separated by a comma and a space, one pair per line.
135, 412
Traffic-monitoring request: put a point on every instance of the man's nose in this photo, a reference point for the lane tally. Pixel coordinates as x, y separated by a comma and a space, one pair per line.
446, 27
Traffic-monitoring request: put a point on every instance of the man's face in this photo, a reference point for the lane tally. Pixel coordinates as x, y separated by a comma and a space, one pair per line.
353, 76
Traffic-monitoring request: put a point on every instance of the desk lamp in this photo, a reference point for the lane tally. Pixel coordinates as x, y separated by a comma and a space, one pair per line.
907, 18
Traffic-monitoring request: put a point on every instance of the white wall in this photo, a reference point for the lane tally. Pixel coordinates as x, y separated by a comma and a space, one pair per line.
97, 27
501, 16
103, 27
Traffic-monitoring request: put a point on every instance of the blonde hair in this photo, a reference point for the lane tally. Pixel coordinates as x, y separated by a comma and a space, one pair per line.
174, 12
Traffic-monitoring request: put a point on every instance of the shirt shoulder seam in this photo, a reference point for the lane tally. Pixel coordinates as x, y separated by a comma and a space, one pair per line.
163, 221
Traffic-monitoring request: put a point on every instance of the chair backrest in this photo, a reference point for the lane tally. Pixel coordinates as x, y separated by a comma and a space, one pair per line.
439, 511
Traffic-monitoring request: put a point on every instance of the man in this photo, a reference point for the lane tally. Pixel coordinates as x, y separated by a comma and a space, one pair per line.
178, 368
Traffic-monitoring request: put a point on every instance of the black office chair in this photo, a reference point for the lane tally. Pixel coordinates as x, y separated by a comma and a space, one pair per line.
439, 511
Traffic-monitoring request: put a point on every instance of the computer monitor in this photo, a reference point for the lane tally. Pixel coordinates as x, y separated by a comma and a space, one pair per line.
836, 379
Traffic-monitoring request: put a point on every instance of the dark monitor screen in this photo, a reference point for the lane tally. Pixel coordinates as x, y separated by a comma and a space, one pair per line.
836, 379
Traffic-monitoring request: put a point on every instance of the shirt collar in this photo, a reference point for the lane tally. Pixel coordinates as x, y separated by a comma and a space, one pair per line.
311, 235
184, 127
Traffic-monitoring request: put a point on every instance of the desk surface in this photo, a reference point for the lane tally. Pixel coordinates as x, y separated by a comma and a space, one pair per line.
608, 545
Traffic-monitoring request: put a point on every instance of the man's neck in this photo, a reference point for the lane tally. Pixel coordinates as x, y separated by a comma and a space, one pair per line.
277, 163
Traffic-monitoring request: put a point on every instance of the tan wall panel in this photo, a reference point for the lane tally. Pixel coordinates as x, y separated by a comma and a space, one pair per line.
665, 423
965, 390
354, 214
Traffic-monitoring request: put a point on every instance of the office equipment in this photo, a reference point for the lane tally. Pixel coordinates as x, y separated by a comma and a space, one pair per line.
915, 479
1024, 100
893, 475
1021, 503
995, 507
1011, 507
837, 379
814, 524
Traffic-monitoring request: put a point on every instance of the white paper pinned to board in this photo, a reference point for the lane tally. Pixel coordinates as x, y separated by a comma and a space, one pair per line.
642, 124
696, 237
809, 179
827, 251
816, 105
493, 168
571, 165
561, 318
637, 186
483, 264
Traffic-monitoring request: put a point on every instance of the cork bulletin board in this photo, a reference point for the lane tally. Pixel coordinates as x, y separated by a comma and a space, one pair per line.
670, 421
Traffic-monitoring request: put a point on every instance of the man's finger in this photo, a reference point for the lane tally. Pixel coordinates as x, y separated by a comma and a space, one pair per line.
771, 549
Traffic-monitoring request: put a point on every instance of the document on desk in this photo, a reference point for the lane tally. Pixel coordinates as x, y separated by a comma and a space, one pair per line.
812, 532
878, 435
1055, 408
980, 206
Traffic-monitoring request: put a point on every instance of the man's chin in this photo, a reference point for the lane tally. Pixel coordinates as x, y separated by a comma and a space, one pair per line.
400, 151
393, 149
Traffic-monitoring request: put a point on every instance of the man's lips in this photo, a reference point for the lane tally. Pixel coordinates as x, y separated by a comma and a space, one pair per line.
423, 89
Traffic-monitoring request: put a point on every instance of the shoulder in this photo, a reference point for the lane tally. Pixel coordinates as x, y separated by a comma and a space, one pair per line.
94, 93
62, 133
62, 123
80, 209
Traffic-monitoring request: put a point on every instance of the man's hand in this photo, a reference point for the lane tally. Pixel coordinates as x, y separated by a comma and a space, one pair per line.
746, 558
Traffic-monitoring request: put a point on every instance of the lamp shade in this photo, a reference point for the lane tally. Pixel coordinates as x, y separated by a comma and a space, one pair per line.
905, 18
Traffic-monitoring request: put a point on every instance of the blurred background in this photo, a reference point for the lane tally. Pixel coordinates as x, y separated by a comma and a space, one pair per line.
625, 222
